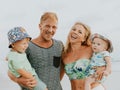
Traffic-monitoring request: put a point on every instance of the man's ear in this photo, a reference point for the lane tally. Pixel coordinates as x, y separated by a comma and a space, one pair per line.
40, 26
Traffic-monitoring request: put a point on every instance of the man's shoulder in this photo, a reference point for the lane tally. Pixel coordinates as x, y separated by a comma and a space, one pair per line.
55, 40
58, 44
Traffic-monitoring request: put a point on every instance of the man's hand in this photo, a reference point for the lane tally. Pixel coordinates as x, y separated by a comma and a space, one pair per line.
30, 83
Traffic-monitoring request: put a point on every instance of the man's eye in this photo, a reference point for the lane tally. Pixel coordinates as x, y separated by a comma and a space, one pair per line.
54, 27
47, 26
73, 29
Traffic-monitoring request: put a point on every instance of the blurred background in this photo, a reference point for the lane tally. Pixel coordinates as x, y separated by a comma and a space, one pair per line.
101, 15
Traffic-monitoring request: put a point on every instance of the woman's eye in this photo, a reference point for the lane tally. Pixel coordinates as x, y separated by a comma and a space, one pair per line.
54, 27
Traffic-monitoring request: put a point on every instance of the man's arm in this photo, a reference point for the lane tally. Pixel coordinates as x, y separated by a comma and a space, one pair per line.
23, 81
24, 73
13, 78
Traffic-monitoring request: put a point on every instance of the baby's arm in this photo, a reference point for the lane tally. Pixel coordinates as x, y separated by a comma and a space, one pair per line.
108, 66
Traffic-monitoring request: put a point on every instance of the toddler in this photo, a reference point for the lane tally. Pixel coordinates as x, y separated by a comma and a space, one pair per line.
18, 63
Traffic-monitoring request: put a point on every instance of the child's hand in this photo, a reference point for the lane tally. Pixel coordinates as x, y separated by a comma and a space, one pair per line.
6, 58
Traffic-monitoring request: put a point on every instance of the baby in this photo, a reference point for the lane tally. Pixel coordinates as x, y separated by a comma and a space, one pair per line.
100, 63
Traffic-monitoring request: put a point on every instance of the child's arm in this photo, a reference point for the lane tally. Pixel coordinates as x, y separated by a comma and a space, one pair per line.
108, 66
24, 73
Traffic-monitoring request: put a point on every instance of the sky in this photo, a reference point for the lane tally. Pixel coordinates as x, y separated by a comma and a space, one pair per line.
103, 16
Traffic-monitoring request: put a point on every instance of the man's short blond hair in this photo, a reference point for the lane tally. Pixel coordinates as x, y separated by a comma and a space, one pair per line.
49, 15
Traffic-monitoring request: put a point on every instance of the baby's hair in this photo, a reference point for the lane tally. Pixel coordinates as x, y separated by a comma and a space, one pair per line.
110, 47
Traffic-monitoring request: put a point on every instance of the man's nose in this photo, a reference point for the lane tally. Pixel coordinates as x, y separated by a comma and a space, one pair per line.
50, 29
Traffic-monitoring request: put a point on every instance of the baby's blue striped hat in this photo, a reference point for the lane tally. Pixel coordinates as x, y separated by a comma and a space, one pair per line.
16, 34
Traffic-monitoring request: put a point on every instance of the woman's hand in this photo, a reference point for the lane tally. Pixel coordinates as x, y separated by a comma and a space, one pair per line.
106, 72
100, 72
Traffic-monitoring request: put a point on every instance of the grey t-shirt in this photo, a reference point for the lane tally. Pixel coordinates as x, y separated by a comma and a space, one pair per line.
46, 62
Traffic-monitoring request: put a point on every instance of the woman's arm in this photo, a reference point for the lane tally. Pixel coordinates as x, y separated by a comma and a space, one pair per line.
105, 70
62, 71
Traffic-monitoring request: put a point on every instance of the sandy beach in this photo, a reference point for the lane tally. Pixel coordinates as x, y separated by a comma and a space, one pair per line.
112, 83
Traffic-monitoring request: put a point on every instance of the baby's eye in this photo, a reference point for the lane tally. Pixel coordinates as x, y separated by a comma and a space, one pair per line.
98, 44
80, 32
93, 42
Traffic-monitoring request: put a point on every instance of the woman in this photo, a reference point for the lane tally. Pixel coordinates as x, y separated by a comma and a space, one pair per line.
76, 55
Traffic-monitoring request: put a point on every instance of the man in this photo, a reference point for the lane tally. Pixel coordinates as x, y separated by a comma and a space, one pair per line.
44, 54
